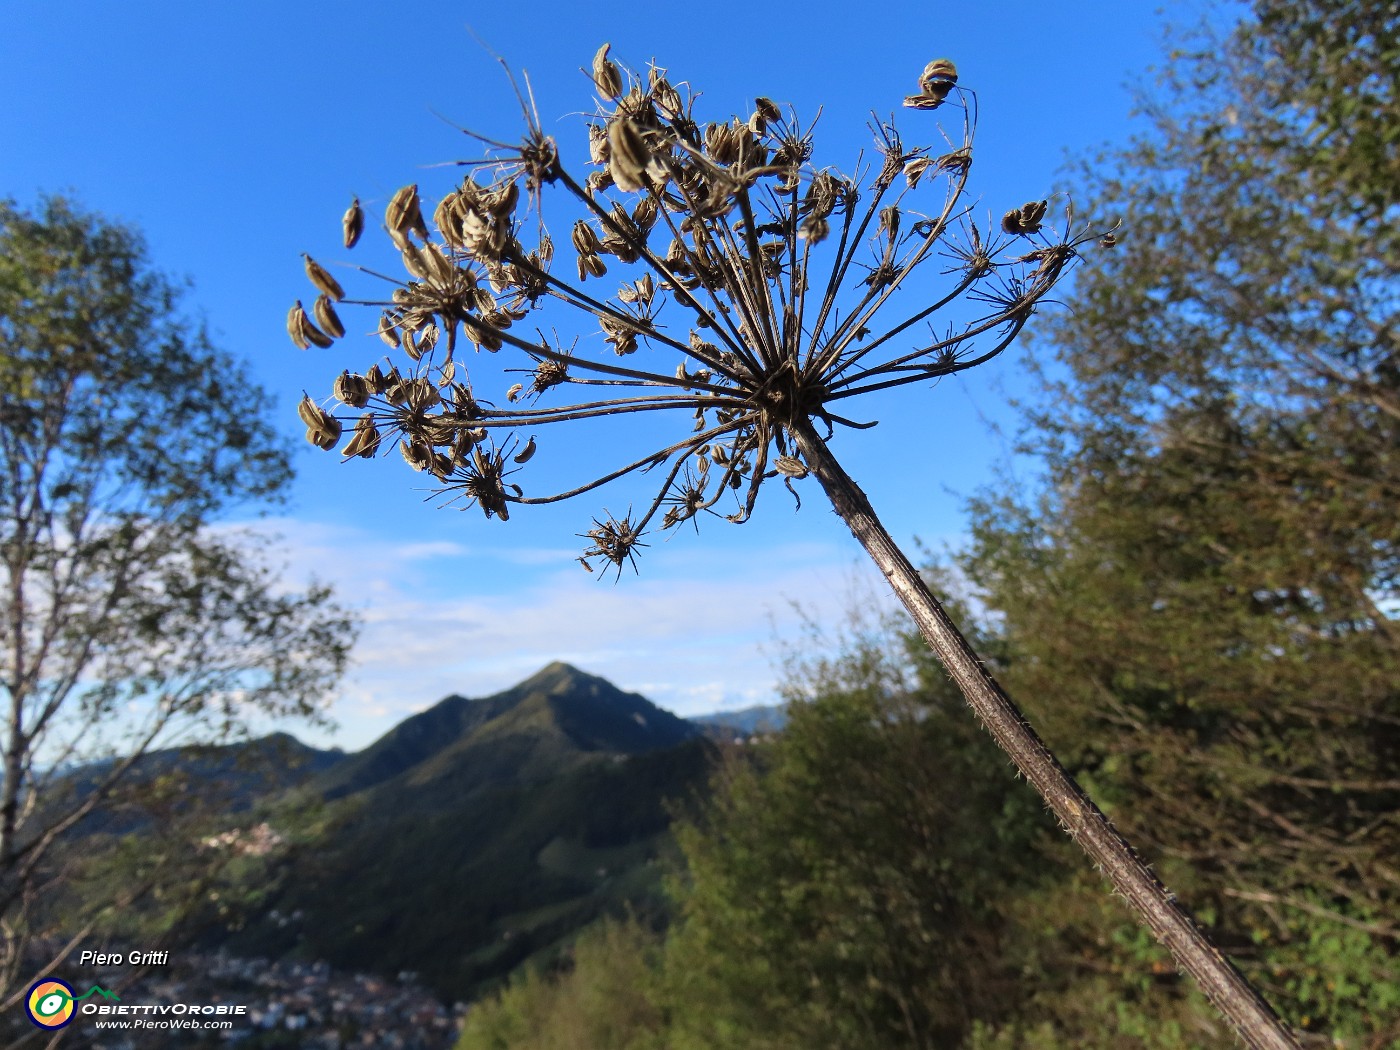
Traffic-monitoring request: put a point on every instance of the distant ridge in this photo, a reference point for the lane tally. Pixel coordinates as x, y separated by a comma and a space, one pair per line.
769, 718
554, 717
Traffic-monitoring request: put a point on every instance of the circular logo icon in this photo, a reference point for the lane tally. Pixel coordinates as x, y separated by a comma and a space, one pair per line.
50, 1003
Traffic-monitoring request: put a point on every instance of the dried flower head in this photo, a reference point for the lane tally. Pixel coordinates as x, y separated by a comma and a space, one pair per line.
765, 277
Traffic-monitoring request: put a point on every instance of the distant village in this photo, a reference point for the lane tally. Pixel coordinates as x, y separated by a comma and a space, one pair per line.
289, 1004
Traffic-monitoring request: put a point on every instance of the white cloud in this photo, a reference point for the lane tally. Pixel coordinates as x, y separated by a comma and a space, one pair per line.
693, 637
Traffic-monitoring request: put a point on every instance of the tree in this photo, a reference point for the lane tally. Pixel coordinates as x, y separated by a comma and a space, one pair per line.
782, 271
604, 995
131, 620
1206, 584
849, 885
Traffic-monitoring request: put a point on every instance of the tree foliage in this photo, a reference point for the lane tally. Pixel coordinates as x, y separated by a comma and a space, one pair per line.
1206, 585
845, 889
131, 620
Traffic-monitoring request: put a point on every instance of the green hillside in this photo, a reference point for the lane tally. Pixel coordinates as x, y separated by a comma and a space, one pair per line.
481, 832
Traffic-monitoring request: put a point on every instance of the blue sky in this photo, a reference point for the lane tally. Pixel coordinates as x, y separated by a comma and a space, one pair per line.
235, 134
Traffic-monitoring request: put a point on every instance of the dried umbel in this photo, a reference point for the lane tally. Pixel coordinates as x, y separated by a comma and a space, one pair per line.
755, 296
773, 276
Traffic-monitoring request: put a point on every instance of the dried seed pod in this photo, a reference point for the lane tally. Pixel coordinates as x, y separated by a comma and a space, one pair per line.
421, 394
523, 456
351, 389
353, 222
628, 161
1108, 240
931, 97
461, 445
513, 394
374, 379
296, 327
667, 99
914, 170
327, 318
390, 330
606, 76
1032, 213
302, 331
323, 281
789, 467
365, 441
597, 144
413, 262
644, 214
768, 109
417, 454
1026, 219
504, 200
585, 240
405, 214
322, 428
940, 69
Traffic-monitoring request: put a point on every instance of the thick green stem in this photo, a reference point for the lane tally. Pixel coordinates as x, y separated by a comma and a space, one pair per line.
1251, 1017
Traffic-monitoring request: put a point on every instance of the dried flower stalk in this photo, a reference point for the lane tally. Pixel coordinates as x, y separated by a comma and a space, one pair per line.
768, 283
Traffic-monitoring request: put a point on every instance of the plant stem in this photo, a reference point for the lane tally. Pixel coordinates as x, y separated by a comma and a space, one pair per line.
1251, 1017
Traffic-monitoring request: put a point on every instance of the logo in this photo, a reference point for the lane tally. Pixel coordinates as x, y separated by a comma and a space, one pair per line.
50, 1002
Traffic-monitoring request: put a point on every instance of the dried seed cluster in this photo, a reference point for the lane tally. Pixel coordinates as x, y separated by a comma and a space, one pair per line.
765, 276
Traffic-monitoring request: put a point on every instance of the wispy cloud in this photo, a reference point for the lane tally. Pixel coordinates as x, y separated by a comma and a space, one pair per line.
696, 637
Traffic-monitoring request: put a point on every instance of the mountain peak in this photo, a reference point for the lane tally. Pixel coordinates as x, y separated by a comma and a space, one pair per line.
557, 716
552, 675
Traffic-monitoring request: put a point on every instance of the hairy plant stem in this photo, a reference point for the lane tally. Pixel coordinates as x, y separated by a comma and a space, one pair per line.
1251, 1017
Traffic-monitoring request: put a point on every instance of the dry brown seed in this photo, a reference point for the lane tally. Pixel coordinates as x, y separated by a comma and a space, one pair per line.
504, 200
606, 76
1108, 240
404, 213
525, 453
768, 109
413, 262
351, 389
418, 454
628, 161
940, 69
667, 98
353, 222
790, 467
313, 334
421, 394
365, 442
296, 326
307, 410
322, 428
1032, 212
585, 240
513, 393
327, 318
323, 280
389, 330
374, 377
914, 170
